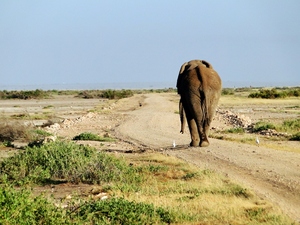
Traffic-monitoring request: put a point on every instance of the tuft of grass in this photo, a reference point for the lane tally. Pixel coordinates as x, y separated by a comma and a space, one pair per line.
20, 116
41, 133
291, 125
19, 207
35, 116
259, 126
87, 136
10, 131
295, 137
122, 211
228, 91
236, 130
48, 107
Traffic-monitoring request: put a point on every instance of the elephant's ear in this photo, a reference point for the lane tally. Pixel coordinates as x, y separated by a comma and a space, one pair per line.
180, 75
182, 68
207, 64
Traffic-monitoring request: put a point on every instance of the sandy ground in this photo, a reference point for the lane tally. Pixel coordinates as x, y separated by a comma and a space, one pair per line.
150, 122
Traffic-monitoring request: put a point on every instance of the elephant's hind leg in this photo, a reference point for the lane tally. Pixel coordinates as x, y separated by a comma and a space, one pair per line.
204, 142
204, 137
194, 133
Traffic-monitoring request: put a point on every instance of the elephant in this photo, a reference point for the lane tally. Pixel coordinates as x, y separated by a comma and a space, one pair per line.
199, 87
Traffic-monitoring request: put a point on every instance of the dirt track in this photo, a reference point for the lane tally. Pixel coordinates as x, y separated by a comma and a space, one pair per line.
272, 174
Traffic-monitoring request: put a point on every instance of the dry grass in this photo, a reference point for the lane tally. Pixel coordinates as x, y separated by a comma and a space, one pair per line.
275, 143
229, 100
273, 111
33, 116
199, 196
288, 146
13, 130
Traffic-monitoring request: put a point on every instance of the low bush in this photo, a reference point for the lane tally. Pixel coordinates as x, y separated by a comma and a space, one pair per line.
122, 211
259, 126
114, 94
290, 126
87, 136
109, 94
19, 207
293, 125
41, 133
68, 162
11, 131
227, 91
266, 93
36, 94
295, 137
274, 93
236, 130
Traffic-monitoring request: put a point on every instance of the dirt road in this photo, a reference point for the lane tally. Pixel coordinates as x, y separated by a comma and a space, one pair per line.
272, 174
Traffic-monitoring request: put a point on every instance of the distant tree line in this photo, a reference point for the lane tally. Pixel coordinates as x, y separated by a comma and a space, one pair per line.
275, 93
87, 94
36, 94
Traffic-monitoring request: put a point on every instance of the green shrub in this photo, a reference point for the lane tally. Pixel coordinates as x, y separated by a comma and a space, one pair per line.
109, 94
121, 211
227, 91
295, 137
295, 93
19, 207
88, 94
236, 130
36, 94
114, 94
91, 137
243, 89
274, 93
265, 93
41, 133
259, 126
291, 125
68, 162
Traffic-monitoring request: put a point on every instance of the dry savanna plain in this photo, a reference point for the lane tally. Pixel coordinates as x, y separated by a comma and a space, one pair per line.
249, 174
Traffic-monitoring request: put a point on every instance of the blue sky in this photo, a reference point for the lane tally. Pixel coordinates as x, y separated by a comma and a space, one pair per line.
248, 42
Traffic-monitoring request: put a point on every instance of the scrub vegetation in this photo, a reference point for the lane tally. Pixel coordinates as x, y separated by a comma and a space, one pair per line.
144, 189
86, 94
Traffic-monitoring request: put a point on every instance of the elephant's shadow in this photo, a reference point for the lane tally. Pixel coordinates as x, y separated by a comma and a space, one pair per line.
178, 147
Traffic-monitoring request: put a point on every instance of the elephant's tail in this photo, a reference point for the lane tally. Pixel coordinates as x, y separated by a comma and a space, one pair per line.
182, 116
203, 90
